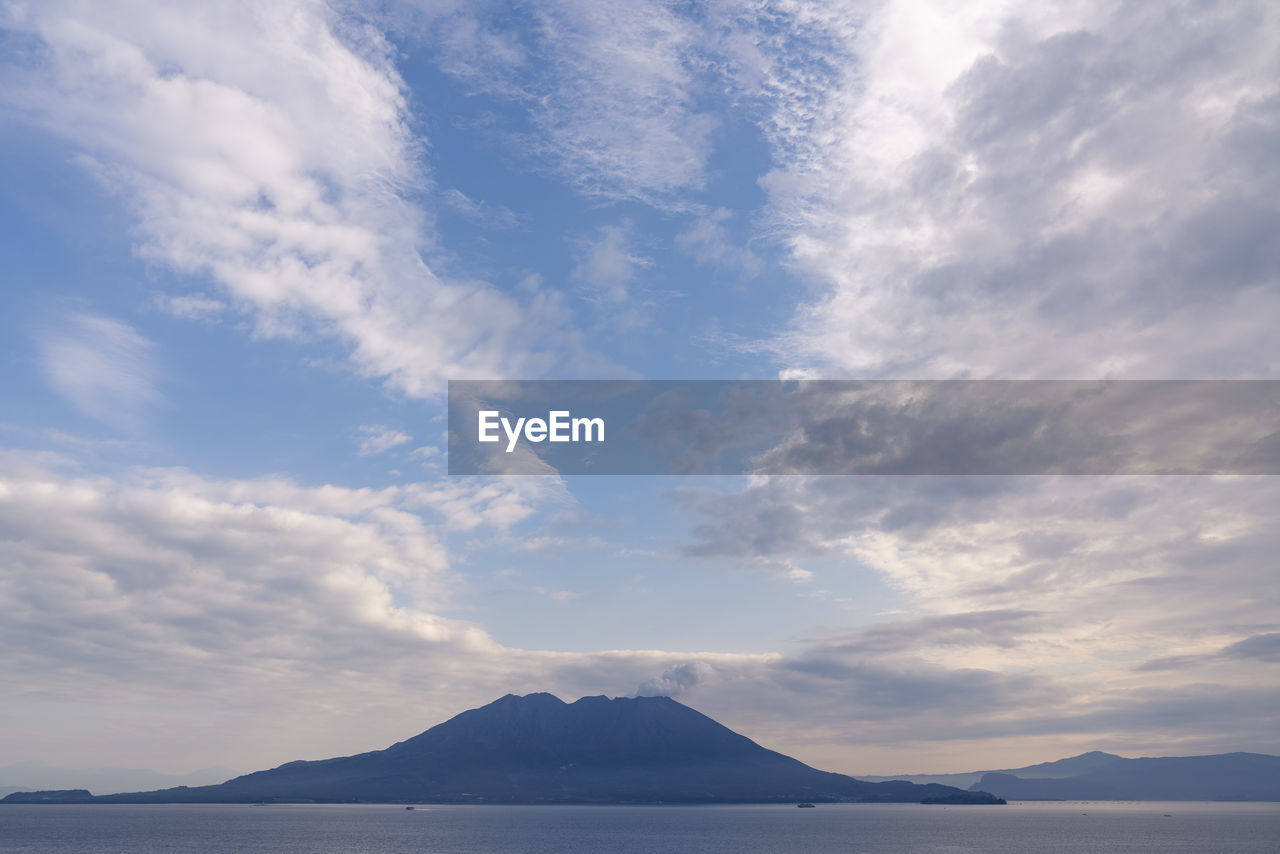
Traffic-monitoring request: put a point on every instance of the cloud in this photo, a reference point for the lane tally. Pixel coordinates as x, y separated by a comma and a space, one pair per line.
559, 543
994, 628
965, 183
677, 680
1261, 647
1111, 590
376, 438
160, 603
481, 213
711, 245
1264, 647
267, 149
158, 597
159, 592
1002, 542
558, 595
986, 190
104, 367
124, 577
609, 264
192, 307
798, 575
613, 92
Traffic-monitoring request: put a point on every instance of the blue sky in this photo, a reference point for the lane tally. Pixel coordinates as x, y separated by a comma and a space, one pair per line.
247, 244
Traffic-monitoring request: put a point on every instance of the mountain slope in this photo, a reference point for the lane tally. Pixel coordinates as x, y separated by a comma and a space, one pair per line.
1221, 777
539, 749
1069, 767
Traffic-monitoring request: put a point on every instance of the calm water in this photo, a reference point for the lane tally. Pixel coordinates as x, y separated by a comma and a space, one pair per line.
1066, 827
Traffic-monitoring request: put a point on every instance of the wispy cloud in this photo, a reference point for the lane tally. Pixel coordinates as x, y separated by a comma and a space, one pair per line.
192, 306
267, 148
104, 367
376, 438
609, 263
709, 242
479, 212
612, 90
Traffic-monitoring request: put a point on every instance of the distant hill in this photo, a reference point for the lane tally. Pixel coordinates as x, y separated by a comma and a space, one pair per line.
1222, 777
539, 749
33, 776
1069, 767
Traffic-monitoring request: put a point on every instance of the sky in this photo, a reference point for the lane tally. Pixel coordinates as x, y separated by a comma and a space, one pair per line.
247, 244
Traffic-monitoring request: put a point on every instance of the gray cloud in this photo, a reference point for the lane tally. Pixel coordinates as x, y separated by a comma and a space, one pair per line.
1263, 647
999, 628
676, 681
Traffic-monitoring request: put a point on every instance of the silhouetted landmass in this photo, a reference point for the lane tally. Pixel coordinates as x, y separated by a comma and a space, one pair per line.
1222, 777
57, 796
964, 798
539, 749
1069, 767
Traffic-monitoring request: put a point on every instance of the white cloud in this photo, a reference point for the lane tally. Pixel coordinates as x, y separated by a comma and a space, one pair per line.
709, 242
968, 182
104, 367
376, 438
1052, 543
188, 616
798, 574
196, 613
192, 307
481, 213
267, 148
612, 90
609, 264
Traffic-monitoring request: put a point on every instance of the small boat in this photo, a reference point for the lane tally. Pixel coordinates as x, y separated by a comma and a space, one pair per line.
805, 806
408, 808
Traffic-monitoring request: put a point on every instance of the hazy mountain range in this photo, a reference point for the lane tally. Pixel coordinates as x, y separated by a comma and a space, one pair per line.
1098, 776
539, 749
1222, 777
1069, 767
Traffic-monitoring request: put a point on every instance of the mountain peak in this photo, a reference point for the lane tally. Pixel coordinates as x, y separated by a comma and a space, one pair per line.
541, 698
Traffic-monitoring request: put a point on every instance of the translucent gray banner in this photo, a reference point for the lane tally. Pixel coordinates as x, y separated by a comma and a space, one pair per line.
968, 427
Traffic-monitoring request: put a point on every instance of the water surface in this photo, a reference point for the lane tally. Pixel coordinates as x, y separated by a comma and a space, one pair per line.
321, 829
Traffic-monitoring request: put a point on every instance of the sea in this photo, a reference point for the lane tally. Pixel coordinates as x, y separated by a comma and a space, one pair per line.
1018, 828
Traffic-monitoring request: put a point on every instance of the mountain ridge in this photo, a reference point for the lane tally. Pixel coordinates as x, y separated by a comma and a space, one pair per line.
539, 749
1057, 768
1214, 777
